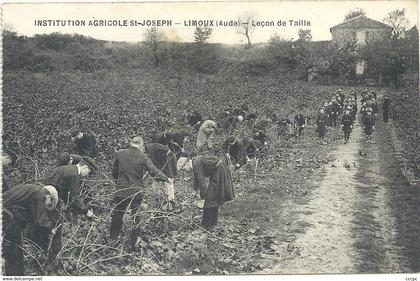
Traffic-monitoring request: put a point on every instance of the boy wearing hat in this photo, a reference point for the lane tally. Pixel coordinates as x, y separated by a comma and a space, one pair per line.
347, 125
85, 144
22, 205
321, 121
369, 123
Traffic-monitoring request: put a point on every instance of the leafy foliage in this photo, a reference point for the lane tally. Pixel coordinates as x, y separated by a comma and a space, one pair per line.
202, 34
354, 13
398, 22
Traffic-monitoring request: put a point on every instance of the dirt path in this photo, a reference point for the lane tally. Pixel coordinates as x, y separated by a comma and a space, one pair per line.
352, 223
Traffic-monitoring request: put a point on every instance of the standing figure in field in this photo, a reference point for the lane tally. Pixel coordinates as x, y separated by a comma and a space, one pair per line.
205, 135
369, 123
321, 121
347, 125
128, 170
217, 191
22, 205
385, 109
165, 160
300, 123
327, 110
85, 144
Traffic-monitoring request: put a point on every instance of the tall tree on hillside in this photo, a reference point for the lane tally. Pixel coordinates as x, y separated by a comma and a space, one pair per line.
399, 23
246, 28
204, 53
202, 34
154, 38
305, 35
354, 13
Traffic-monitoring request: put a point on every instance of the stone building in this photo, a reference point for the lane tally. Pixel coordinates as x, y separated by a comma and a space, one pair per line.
361, 30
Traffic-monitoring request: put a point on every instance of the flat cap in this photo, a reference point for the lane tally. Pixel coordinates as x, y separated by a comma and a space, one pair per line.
90, 162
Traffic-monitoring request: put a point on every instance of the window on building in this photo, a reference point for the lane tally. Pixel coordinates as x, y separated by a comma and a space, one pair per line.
360, 67
361, 37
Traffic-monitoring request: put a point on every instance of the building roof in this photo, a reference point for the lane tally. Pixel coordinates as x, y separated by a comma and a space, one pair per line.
361, 22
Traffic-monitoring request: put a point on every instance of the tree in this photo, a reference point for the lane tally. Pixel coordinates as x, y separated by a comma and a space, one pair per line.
154, 38
280, 50
246, 28
343, 59
397, 20
305, 35
386, 59
204, 54
202, 34
354, 13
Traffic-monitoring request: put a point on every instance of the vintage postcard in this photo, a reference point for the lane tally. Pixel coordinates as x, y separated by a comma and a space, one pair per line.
210, 138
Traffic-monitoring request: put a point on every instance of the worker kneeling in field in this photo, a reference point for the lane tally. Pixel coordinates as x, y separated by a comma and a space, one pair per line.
22, 205
219, 188
165, 160
128, 171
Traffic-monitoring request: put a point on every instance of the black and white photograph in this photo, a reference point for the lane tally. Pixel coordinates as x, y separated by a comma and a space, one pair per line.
210, 138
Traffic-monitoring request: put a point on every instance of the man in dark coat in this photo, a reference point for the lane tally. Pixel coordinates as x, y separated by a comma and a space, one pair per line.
23, 205
128, 172
217, 191
300, 123
85, 144
369, 123
195, 119
335, 111
235, 148
67, 180
174, 140
347, 125
321, 121
385, 109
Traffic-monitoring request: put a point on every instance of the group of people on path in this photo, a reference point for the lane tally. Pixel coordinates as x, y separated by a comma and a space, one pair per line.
346, 106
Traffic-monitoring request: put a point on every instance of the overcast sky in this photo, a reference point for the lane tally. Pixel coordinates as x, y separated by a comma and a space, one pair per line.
321, 14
